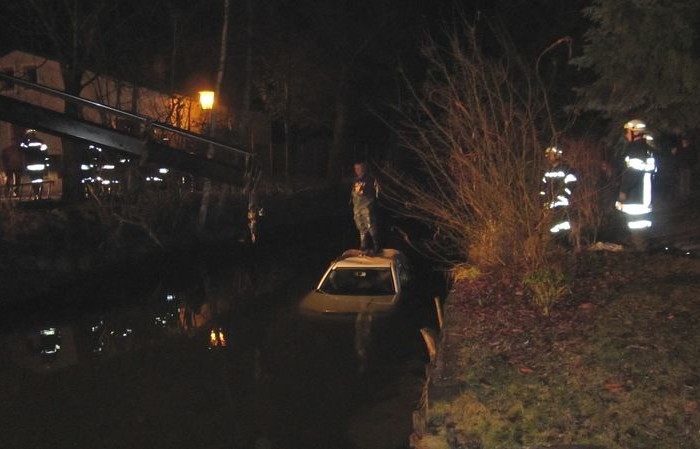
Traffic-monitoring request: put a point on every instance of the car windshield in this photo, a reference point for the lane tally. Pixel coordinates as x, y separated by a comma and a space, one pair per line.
354, 281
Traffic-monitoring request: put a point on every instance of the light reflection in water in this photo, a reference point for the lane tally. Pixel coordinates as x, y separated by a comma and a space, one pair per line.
213, 347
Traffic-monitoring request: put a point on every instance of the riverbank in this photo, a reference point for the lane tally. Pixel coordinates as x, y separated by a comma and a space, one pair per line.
45, 246
614, 366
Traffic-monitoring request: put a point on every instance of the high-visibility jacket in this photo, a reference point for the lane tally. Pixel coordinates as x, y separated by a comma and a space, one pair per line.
557, 189
36, 156
635, 197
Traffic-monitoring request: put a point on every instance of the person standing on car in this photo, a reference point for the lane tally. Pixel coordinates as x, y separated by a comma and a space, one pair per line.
365, 191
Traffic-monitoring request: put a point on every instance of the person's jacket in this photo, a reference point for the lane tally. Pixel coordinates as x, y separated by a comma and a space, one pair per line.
365, 190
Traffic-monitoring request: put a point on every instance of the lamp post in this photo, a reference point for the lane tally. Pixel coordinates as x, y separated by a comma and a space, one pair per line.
206, 100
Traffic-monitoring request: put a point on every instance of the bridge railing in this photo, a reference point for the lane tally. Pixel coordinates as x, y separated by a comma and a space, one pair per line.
145, 128
27, 191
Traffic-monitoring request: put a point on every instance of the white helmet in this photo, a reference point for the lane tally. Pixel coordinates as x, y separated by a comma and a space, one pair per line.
635, 126
554, 151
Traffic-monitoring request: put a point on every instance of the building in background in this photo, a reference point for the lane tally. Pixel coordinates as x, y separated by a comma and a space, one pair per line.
179, 111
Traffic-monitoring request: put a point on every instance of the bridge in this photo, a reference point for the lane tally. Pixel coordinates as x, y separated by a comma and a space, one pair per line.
145, 139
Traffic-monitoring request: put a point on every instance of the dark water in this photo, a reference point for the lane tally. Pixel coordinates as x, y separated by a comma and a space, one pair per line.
208, 351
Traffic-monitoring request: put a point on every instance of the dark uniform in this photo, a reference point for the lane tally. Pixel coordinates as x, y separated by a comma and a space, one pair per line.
364, 204
36, 157
557, 188
635, 199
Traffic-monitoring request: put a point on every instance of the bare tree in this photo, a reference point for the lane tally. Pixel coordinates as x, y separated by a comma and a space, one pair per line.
474, 143
206, 189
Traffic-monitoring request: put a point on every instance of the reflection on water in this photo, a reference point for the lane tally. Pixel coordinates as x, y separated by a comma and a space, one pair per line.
209, 354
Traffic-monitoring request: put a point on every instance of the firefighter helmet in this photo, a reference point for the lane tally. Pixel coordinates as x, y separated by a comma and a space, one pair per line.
635, 126
553, 151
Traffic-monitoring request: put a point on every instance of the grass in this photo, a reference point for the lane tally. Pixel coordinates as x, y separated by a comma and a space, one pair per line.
615, 365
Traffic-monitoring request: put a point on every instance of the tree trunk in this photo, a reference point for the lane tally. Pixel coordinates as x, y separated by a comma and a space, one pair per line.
247, 86
286, 129
206, 188
335, 157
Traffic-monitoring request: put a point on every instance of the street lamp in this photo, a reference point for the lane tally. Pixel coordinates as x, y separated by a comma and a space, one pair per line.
206, 100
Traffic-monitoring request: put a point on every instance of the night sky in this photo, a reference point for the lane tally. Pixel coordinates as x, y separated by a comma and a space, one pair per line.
321, 50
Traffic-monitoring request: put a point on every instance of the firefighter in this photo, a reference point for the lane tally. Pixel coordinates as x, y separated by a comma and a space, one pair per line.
557, 189
36, 158
634, 198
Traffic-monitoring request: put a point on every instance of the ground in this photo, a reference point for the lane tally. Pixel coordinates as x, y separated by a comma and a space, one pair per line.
615, 365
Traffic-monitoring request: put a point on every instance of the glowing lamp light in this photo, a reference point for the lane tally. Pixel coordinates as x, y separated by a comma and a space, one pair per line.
206, 99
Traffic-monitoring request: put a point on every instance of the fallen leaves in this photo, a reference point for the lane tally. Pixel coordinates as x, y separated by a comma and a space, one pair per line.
614, 387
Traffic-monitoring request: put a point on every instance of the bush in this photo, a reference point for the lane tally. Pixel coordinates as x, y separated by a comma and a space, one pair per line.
547, 286
477, 135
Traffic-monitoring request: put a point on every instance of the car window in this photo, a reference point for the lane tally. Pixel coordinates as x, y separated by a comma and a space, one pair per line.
354, 281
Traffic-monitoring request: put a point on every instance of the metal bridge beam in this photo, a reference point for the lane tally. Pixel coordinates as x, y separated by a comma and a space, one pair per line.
52, 122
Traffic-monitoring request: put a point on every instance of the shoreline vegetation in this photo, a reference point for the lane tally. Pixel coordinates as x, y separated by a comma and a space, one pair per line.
614, 365
46, 246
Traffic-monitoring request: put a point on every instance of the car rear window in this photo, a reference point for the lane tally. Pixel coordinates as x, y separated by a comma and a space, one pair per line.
354, 281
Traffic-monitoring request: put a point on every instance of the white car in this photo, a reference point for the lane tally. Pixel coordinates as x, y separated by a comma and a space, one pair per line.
356, 283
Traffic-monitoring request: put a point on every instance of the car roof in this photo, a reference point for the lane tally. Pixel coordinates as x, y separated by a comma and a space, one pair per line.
353, 258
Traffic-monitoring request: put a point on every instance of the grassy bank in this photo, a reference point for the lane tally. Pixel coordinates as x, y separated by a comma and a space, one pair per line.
615, 365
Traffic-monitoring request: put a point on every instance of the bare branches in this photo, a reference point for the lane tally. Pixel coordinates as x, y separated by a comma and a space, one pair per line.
475, 136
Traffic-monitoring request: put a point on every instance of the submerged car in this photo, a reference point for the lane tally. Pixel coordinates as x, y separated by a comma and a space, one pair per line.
356, 283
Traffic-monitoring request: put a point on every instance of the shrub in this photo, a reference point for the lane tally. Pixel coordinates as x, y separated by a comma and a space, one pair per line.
547, 286
474, 162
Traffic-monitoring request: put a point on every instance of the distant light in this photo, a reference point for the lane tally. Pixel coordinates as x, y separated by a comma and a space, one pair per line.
163, 171
206, 99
